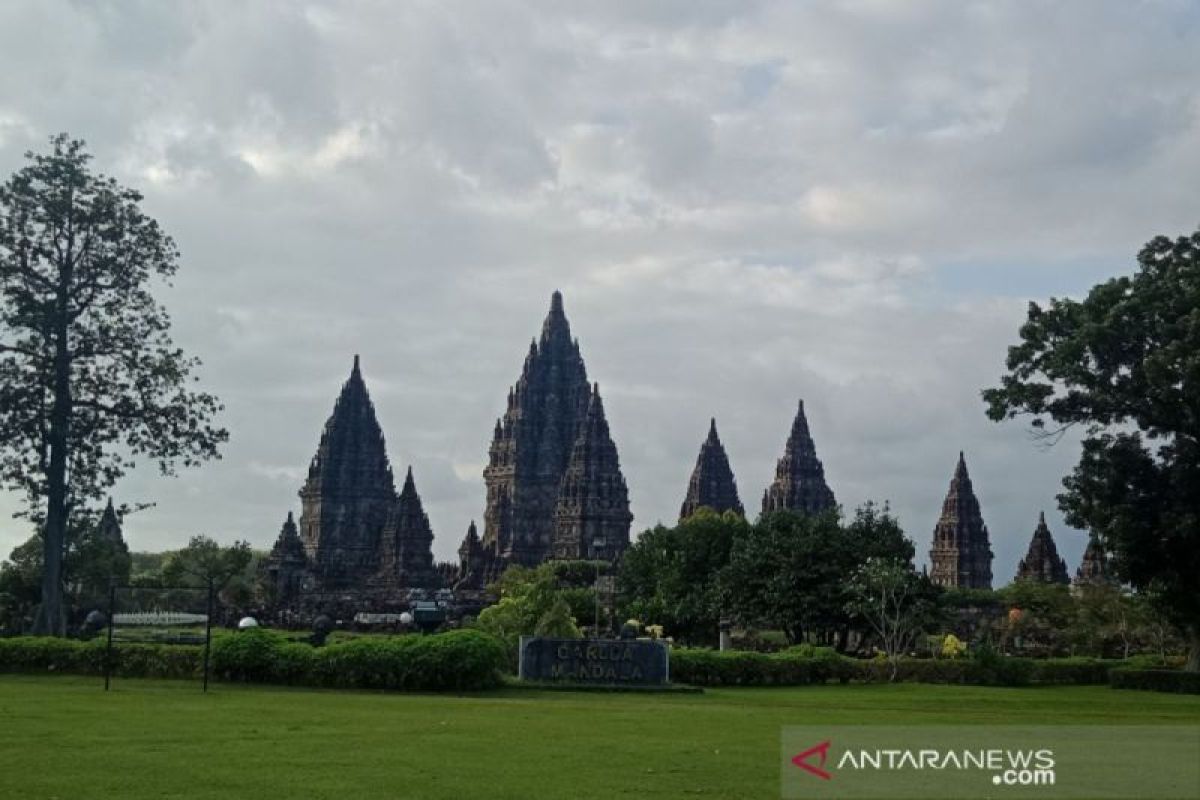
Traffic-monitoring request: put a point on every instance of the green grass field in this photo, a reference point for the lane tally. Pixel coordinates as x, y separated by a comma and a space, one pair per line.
63, 737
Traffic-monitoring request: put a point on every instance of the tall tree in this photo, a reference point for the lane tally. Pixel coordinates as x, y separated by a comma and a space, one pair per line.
1124, 366
896, 602
204, 562
89, 376
672, 576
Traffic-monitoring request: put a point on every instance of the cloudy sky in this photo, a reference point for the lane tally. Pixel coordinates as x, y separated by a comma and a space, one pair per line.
744, 203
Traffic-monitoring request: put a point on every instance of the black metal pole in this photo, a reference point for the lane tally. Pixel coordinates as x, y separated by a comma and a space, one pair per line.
112, 608
208, 632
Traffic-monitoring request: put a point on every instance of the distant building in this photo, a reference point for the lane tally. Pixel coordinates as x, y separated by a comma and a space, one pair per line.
962, 554
356, 534
554, 482
554, 490
1095, 567
1042, 562
799, 483
712, 484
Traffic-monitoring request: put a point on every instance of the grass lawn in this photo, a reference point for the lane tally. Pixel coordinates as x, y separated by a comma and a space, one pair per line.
64, 737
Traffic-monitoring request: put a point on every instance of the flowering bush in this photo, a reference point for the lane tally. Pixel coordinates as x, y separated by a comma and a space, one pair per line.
952, 646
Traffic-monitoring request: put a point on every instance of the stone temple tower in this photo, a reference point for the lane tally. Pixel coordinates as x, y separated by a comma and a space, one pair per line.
592, 518
349, 492
961, 554
532, 444
1042, 562
799, 483
1095, 567
712, 484
406, 554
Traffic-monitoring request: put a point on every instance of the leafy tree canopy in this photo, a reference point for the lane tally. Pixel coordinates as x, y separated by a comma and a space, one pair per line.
89, 377
1123, 365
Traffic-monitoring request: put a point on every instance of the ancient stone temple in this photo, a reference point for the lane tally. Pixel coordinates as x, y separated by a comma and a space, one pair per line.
1094, 568
799, 483
356, 536
349, 491
533, 445
406, 554
285, 569
1042, 562
109, 529
712, 484
961, 555
592, 518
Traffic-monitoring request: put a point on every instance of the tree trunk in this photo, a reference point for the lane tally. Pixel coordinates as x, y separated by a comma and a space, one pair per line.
51, 617
1193, 662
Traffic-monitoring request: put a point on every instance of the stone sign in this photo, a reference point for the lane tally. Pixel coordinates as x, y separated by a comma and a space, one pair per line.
597, 661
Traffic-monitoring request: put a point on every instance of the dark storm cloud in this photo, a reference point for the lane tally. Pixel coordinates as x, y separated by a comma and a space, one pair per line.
744, 203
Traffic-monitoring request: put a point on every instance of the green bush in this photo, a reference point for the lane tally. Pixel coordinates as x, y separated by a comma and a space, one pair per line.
991, 671
1156, 680
458, 660
48, 654
1076, 670
463, 660
745, 668
251, 655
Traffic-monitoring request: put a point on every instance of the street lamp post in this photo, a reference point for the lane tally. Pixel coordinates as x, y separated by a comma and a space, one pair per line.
598, 545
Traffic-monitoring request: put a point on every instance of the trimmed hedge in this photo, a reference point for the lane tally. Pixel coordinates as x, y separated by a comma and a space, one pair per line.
995, 671
49, 654
464, 660
746, 668
1077, 670
1156, 680
804, 665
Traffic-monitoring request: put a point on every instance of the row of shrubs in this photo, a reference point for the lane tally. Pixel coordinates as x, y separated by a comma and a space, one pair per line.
469, 660
464, 660
49, 654
802, 666
1156, 680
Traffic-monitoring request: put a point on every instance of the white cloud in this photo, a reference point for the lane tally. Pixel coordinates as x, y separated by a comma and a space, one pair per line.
744, 203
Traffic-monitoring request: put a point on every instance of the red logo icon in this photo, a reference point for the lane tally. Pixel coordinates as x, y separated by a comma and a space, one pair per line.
821, 750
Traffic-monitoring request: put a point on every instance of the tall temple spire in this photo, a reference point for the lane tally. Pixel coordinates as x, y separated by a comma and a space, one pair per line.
961, 553
406, 554
712, 484
109, 528
349, 488
532, 443
286, 566
1042, 562
592, 515
799, 483
1094, 568
288, 547
470, 548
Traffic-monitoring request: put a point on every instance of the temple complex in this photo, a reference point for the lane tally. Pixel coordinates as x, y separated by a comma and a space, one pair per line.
712, 484
799, 483
554, 490
961, 554
1042, 562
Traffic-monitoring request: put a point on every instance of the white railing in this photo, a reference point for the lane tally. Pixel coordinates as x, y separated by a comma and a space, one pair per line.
158, 618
